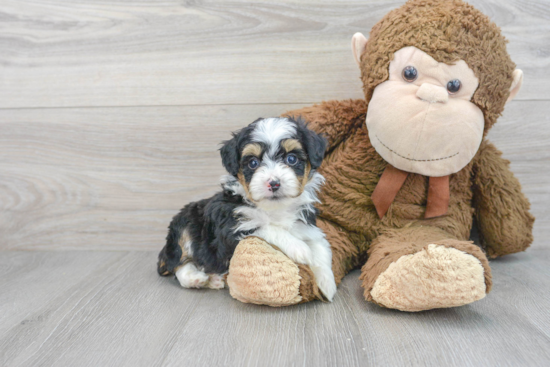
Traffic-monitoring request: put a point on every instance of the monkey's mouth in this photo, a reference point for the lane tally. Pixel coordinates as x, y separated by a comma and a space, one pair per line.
412, 159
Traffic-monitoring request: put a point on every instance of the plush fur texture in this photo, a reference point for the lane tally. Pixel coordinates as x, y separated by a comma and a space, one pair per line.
277, 281
250, 283
501, 210
436, 277
387, 249
484, 190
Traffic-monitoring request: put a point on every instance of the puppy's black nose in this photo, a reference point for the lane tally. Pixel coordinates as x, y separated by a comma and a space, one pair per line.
274, 185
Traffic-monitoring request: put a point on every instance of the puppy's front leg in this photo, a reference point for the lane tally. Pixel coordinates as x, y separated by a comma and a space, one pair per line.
321, 264
322, 267
293, 247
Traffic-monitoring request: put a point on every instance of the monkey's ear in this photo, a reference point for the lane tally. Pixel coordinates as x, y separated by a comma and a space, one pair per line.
230, 156
358, 43
517, 75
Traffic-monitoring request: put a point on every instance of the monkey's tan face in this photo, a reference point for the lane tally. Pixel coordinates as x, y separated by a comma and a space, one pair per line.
421, 119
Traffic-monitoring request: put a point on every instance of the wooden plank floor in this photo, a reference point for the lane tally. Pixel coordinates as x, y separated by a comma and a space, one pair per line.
102, 308
111, 114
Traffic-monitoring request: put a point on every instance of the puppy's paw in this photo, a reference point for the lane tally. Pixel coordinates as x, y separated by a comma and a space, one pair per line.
190, 277
196, 280
325, 281
216, 281
299, 251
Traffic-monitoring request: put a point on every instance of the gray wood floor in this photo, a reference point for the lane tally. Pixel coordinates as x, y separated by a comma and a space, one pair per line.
111, 114
99, 308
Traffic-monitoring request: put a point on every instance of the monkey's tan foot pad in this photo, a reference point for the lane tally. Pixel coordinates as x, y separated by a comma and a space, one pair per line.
435, 277
261, 274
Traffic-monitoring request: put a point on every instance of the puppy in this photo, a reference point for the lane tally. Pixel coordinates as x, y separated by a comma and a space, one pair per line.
269, 193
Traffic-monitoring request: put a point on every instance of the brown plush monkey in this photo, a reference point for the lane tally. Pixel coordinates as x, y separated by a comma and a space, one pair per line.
408, 169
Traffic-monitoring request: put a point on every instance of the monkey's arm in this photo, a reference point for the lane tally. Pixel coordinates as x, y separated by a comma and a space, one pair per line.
333, 119
502, 211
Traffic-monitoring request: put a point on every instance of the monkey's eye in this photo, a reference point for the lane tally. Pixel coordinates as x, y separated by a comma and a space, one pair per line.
410, 73
291, 159
453, 86
253, 163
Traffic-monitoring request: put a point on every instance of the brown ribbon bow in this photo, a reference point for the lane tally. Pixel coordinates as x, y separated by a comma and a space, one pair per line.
391, 181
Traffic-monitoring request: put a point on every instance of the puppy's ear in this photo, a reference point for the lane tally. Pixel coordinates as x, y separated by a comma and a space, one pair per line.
316, 147
315, 144
230, 151
230, 155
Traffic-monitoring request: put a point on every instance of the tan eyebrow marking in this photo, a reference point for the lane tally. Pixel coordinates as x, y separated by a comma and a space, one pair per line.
252, 149
291, 144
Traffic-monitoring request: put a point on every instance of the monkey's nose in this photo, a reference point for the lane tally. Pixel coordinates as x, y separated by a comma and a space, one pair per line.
432, 93
274, 185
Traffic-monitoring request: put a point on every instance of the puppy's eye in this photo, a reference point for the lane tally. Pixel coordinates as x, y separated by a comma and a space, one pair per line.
291, 159
410, 73
253, 163
454, 86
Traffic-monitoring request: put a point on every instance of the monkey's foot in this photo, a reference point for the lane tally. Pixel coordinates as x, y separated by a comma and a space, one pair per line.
261, 274
435, 277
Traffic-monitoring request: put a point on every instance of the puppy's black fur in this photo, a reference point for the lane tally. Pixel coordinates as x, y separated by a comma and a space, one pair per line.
315, 144
211, 224
231, 149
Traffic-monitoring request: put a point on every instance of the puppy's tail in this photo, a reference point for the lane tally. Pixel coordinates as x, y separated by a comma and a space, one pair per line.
173, 254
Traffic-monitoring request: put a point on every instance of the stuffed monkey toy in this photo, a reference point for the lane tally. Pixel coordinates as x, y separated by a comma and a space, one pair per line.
409, 169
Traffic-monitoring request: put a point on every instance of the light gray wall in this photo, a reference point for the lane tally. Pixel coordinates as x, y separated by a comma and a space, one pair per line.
111, 112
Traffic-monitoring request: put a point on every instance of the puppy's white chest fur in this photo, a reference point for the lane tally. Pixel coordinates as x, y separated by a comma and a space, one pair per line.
252, 218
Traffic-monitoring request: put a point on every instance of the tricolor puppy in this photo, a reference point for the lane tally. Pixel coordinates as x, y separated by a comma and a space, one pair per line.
269, 193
